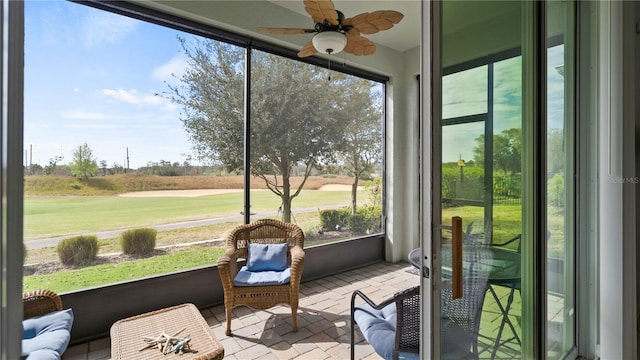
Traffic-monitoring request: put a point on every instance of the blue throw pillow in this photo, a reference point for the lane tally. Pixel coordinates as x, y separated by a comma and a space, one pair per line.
47, 334
267, 257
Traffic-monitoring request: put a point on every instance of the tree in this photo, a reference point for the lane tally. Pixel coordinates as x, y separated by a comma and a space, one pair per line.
293, 113
507, 147
555, 146
117, 168
53, 163
361, 149
103, 167
83, 164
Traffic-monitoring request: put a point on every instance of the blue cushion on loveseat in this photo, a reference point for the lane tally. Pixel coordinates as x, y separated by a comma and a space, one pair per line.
47, 336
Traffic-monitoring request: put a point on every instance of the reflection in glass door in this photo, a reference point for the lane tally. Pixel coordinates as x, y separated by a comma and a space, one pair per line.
503, 273
478, 157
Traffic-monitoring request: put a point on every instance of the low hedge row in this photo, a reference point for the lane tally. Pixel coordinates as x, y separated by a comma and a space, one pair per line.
83, 249
367, 219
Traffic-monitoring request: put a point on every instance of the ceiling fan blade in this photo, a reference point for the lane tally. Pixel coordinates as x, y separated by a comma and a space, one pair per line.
321, 10
352, 32
371, 23
307, 50
358, 45
286, 31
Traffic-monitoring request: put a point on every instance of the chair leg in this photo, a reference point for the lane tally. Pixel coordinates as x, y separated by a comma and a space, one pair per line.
229, 313
353, 350
294, 316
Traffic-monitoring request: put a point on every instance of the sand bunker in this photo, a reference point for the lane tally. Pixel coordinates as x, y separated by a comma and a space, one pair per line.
205, 192
338, 187
179, 193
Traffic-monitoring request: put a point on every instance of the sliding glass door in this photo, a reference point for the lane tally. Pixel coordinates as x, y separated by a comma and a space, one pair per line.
501, 145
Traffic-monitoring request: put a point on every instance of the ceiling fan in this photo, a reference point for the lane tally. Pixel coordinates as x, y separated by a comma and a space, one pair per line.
335, 33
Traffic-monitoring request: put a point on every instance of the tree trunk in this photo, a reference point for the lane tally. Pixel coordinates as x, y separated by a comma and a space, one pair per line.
354, 194
286, 198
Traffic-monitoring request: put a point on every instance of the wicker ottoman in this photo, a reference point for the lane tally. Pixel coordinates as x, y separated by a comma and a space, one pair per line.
127, 335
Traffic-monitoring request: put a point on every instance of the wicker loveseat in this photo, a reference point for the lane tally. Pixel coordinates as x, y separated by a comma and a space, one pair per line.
46, 326
257, 284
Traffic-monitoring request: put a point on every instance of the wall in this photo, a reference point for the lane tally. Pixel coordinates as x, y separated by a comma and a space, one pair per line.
617, 320
409, 155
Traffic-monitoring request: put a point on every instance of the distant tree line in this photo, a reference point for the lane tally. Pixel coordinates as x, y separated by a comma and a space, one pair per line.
84, 164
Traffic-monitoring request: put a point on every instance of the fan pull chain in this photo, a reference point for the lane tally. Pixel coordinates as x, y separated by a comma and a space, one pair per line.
329, 79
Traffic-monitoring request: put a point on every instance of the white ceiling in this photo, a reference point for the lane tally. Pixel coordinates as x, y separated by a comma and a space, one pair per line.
401, 37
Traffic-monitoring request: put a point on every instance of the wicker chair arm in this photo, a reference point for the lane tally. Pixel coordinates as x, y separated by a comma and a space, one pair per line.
40, 302
297, 265
371, 303
297, 255
228, 266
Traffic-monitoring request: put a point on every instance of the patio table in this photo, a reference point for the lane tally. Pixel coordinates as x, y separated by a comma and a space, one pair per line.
127, 335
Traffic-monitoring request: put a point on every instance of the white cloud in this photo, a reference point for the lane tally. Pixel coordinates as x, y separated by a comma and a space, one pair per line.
83, 115
175, 66
103, 27
169, 106
133, 97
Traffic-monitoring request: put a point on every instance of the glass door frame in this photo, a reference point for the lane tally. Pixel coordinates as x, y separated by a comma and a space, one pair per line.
534, 308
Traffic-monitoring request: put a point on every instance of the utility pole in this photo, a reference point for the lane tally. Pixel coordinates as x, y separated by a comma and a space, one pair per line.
127, 167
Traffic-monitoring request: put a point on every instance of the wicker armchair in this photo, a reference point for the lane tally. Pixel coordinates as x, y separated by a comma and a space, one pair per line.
40, 302
262, 297
392, 327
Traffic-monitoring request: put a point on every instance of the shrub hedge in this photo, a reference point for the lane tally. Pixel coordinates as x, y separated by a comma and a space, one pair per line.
138, 241
367, 219
78, 250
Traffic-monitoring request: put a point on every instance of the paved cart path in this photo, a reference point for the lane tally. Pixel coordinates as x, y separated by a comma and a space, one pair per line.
53, 241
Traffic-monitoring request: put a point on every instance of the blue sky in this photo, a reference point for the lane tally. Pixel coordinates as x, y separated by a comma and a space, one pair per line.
91, 76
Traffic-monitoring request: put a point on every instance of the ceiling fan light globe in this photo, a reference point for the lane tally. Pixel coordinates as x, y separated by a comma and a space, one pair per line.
329, 42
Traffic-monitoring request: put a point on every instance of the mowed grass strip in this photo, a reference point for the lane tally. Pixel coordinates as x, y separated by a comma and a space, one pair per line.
188, 258
309, 222
49, 216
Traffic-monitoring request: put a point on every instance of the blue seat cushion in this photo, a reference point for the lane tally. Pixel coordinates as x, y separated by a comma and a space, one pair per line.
43, 354
378, 327
267, 257
48, 334
253, 278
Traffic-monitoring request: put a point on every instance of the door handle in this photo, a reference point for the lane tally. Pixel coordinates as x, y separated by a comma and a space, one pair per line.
456, 257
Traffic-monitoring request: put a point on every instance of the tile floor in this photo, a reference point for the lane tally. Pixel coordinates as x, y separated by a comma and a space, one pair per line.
323, 321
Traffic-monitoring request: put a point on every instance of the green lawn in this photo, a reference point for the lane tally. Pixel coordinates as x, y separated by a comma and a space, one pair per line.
82, 278
507, 223
48, 216
507, 219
